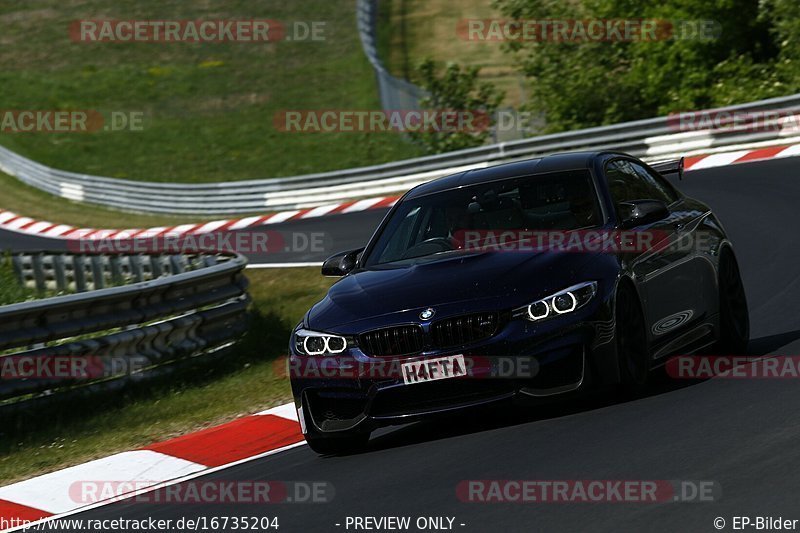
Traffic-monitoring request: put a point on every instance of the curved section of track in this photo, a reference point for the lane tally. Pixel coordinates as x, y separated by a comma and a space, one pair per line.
742, 434
297, 241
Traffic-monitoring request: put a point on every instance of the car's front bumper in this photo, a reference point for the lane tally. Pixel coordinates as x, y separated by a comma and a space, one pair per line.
523, 359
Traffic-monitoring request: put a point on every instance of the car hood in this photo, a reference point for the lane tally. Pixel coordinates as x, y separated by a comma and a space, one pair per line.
391, 294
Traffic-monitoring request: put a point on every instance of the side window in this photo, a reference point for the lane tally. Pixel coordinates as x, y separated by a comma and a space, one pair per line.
657, 182
630, 181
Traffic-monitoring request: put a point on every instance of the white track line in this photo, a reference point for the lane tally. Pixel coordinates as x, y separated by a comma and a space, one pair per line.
320, 211
789, 152
363, 205
281, 217
286, 410
159, 486
38, 227
58, 230
19, 222
211, 226
718, 160
51, 492
60, 492
180, 230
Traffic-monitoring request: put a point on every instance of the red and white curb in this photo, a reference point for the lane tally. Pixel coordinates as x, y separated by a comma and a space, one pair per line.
154, 466
700, 162
14, 222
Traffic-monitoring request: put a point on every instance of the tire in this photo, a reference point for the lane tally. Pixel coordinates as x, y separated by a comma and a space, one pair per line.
339, 445
633, 351
734, 318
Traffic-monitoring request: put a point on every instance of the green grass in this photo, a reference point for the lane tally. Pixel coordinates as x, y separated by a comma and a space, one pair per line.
288, 292
139, 422
10, 289
412, 30
247, 382
208, 108
31, 202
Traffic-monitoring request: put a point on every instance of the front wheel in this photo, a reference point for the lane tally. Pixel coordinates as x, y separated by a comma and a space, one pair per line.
339, 444
734, 317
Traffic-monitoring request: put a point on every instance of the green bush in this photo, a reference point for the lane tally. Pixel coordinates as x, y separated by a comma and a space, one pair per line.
754, 55
456, 89
11, 291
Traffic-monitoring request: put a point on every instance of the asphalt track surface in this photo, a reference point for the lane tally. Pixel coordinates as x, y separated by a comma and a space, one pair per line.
742, 434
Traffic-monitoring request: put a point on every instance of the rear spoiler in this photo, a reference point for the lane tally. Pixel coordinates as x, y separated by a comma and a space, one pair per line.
673, 166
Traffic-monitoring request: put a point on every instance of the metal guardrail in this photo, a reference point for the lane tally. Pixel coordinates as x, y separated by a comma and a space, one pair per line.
395, 93
132, 317
654, 138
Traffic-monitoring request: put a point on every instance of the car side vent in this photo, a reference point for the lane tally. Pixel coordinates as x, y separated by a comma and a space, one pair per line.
461, 330
396, 340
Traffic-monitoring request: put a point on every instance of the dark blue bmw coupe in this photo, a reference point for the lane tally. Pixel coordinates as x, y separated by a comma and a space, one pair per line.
524, 280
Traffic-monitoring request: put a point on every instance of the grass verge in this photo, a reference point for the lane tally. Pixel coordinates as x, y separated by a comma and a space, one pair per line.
28, 201
10, 289
244, 383
208, 108
427, 28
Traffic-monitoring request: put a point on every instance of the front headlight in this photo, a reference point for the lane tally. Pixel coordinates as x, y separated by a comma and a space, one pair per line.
315, 343
560, 303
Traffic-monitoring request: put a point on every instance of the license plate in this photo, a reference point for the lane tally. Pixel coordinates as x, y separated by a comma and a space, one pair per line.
452, 366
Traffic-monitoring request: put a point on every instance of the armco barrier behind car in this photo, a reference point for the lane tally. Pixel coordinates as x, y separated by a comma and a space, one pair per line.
650, 139
124, 317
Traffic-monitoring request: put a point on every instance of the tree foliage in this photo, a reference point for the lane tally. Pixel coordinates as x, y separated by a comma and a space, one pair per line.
456, 88
755, 54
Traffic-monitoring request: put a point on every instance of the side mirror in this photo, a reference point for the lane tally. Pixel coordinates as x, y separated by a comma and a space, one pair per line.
341, 264
641, 212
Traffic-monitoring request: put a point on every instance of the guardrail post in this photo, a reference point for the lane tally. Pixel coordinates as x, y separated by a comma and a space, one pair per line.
136, 268
79, 273
19, 271
38, 273
155, 266
116, 270
177, 263
60, 272
98, 273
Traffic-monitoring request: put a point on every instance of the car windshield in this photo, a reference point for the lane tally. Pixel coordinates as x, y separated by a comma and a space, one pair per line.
431, 224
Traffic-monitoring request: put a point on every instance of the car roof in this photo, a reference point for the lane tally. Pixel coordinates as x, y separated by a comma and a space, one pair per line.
549, 163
